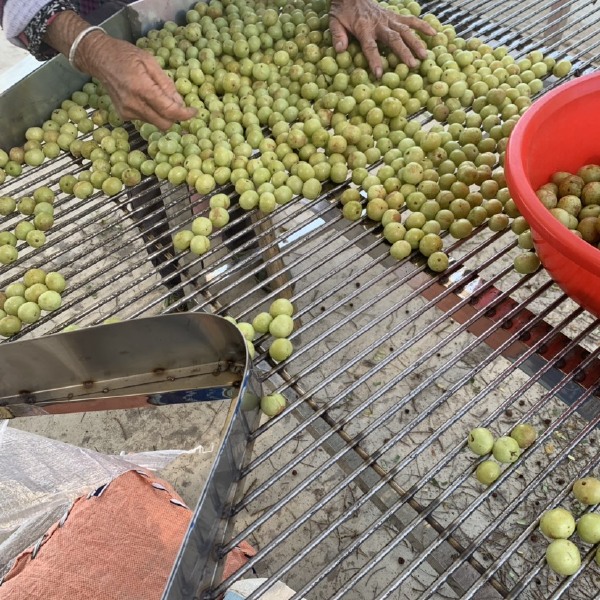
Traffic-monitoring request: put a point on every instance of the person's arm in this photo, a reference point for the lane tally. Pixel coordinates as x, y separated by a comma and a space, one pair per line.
137, 85
370, 23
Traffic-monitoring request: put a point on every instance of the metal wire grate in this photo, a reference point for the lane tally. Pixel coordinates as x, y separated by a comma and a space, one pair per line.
362, 488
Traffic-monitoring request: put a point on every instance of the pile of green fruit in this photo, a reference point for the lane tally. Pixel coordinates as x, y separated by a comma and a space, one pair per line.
196, 239
505, 449
277, 322
40, 208
23, 302
558, 524
280, 113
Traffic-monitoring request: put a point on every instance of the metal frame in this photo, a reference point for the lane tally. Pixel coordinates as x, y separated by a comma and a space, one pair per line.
540, 345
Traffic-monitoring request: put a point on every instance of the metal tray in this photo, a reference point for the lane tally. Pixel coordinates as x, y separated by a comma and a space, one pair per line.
164, 360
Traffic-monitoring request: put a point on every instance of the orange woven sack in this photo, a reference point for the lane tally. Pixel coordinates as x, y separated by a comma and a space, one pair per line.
118, 543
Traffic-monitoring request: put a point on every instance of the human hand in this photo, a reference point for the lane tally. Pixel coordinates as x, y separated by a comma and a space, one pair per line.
138, 87
369, 23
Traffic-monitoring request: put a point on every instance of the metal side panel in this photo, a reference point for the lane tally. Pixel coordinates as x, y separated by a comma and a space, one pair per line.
151, 14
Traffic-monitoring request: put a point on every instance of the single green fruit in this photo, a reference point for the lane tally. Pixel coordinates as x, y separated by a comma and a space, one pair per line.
273, 404
400, 250
34, 276
261, 322
9, 325
12, 304
8, 254
281, 306
563, 557
15, 289
487, 472
29, 312
588, 528
438, 261
49, 300
587, 490
281, 326
281, 349
506, 450
55, 281
480, 441
524, 434
35, 238
199, 245
182, 239
557, 523
202, 226
247, 330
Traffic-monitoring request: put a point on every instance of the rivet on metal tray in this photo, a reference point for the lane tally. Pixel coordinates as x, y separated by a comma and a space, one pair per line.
560, 363
507, 324
490, 312
526, 335
70, 396
88, 384
105, 390
579, 376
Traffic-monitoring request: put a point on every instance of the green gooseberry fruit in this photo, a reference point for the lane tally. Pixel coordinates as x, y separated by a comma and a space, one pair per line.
273, 404
506, 450
281, 349
487, 472
524, 434
480, 441
281, 306
261, 322
587, 490
49, 300
563, 557
281, 326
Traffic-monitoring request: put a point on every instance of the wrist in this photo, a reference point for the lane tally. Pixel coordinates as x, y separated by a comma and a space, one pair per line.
89, 48
62, 33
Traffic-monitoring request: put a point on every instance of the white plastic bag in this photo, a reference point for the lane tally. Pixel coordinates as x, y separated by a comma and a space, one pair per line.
40, 478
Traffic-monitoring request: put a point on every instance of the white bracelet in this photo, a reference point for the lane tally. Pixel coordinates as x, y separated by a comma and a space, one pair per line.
77, 41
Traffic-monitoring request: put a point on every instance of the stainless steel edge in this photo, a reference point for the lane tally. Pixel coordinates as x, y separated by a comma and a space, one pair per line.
151, 14
162, 360
198, 564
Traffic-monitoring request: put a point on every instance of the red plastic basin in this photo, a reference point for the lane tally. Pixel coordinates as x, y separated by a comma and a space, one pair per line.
559, 132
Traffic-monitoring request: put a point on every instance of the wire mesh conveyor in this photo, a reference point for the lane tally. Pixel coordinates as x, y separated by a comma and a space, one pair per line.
362, 487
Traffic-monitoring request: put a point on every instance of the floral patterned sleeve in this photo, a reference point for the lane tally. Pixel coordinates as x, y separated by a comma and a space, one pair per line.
34, 32
25, 22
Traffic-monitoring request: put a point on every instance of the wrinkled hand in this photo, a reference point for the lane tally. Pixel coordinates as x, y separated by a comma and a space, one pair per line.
138, 87
370, 23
